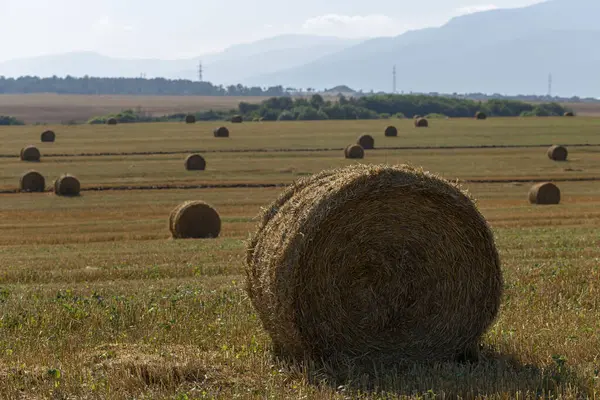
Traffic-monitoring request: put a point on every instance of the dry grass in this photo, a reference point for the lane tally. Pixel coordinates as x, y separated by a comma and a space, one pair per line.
97, 302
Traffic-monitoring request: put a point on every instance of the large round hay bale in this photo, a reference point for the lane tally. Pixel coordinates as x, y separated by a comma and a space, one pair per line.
237, 119
221, 132
194, 220
558, 153
388, 263
30, 153
391, 131
417, 116
421, 123
195, 162
32, 181
354, 151
569, 114
480, 115
67, 185
544, 193
111, 121
48, 136
366, 142
190, 119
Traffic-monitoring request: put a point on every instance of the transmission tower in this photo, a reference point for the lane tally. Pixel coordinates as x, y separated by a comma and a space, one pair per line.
394, 79
550, 85
200, 70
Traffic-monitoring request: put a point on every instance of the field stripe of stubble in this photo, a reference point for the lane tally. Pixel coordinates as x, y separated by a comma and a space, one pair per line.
283, 185
308, 150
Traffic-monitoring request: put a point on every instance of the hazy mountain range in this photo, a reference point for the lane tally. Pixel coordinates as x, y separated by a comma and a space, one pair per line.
507, 51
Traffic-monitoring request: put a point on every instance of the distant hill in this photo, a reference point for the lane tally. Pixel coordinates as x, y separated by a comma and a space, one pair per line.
502, 51
230, 66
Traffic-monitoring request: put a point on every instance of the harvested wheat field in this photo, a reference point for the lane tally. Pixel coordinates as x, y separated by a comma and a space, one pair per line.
97, 300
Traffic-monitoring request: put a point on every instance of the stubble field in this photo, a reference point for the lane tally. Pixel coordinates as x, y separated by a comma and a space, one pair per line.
97, 302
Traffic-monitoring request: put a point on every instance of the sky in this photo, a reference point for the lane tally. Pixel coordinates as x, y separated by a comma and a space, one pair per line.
190, 28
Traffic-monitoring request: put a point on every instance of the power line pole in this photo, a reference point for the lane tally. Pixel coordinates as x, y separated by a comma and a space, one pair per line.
200, 71
394, 80
550, 85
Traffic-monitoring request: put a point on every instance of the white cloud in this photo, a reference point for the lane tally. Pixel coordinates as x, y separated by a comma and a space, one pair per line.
105, 25
352, 25
475, 9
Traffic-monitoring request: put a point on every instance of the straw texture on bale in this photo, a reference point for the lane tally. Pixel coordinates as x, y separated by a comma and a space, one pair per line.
195, 162
391, 131
374, 262
480, 115
558, 153
421, 123
32, 181
194, 220
569, 114
190, 119
544, 193
30, 153
67, 185
48, 136
354, 151
221, 132
366, 142
237, 119
111, 121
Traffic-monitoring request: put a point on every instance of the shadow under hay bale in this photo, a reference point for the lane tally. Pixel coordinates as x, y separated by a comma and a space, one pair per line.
48, 137
366, 142
421, 123
32, 181
194, 220
30, 153
190, 119
195, 162
374, 263
67, 185
111, 121
391, 131
569, 114
354, 151
544, 193
221, 132
480, 115
558, 153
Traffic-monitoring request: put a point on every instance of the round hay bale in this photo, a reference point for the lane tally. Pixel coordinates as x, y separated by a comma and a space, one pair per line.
194, 220
195, 162
480, 115
558, 153
366, 142
569, 114
237, 119
255, 119
388, 263
221, 132
30, 153
417, 116
354, 151
421, 123
111, 121
544, 193
48, 137
391, 131
67, 185
32, 181
190, 119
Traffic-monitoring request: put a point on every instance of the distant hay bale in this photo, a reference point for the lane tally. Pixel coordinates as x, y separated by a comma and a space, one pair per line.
237, 119
67, 185
354, 151
221, 132
544, 193
480, 115
255, 119
558, 153
417, 116
190, 119
261, 119
195, 162
194, 220
421, 123
391, 131
30, 153
377, 263
32, 181
366, 142
569, 114
111, 121
48, 136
